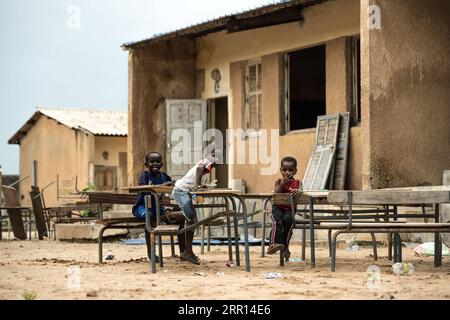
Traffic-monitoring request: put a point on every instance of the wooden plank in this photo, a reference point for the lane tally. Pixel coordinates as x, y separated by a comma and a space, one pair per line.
386, 225
327, 131
319, 166
322, 158
148, 188
339, 170
390, 197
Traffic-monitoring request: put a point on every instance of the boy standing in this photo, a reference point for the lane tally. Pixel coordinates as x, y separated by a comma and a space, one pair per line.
282, 218
194, 179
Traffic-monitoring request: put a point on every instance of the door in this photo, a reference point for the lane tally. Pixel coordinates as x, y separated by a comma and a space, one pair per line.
185, 125
218, 119
105, 178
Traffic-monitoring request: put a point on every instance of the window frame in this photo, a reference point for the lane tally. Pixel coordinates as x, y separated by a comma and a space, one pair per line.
248, 93
285, 92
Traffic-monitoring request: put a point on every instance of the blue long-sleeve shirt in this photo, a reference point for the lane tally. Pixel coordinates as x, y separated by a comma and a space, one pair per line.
146, 178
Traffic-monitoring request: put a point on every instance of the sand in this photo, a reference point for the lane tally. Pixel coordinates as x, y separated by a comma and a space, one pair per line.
42, 267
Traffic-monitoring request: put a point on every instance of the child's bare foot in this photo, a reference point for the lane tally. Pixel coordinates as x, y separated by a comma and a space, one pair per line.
274, 248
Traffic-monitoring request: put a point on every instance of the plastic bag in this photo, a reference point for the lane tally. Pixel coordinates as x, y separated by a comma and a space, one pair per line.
427, 249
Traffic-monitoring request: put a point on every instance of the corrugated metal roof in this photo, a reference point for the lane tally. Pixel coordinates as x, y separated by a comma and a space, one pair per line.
224, 22
96, 121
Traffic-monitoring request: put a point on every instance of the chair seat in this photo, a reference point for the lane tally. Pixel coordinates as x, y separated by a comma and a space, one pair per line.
119, 220
166, 229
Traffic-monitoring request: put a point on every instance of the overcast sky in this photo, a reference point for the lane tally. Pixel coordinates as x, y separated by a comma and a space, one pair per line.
67, 53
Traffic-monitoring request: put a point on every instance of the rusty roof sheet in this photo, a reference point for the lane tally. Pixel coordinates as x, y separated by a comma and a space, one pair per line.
95, 121
218, 24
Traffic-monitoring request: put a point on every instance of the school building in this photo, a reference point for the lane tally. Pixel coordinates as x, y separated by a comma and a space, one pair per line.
282, 65
67, 149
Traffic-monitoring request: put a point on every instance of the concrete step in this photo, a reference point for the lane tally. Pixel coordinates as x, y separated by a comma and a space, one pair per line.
72, 231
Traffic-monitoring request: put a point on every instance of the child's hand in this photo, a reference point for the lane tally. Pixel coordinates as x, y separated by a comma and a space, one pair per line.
296, 193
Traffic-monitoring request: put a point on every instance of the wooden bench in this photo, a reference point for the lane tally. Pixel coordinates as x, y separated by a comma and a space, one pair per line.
102, 198
395, 198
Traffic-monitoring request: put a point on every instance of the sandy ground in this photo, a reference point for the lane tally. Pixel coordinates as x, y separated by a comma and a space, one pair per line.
42, 267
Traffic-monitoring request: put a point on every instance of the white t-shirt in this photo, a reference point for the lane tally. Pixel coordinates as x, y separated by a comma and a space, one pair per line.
187, 183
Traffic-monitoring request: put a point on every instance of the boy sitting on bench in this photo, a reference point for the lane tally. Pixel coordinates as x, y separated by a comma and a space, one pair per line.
282, 218
153, 176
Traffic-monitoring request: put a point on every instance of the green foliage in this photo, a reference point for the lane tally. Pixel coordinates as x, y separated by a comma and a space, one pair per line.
87, 213
29, 295
89, 187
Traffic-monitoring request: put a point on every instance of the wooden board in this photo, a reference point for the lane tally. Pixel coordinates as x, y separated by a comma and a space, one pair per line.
339, 169
379, 197
155, 188
318, 170
327, 131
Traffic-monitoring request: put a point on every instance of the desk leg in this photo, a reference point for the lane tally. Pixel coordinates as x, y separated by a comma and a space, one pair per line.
247, 252
437, 240
263, 236
230, 245
236, 231
311, 231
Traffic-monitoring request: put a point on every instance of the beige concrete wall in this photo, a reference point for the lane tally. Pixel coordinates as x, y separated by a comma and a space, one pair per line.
323, 22
113, 145
164, 70
327, 23
406, 76
169, 70
298, 144
58, 151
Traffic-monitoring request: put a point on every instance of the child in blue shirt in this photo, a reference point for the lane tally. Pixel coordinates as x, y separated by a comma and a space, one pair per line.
153, 176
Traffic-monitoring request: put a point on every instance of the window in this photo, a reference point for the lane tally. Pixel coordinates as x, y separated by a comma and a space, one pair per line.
305, 84
355, 55
253, 96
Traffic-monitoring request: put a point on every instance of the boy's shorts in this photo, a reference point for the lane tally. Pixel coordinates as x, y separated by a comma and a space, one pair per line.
184, 201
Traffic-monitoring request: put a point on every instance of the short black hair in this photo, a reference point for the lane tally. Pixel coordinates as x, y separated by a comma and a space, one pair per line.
150, 153
289, 159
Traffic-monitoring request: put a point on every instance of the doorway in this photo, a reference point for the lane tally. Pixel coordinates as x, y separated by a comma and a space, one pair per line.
218, 119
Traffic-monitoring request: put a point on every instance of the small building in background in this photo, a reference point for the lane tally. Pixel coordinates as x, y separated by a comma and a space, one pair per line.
63, 150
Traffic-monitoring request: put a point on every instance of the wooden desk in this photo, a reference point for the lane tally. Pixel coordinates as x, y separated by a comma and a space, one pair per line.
233, 196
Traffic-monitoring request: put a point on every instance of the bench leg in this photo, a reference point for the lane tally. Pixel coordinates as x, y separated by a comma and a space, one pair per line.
172, 246
281, 259
333, 251
202, 244
230, 246
152, 252
100, 244
437, 250
303, 244
394, 245
397, 248
236, 240
374, 246
263, 236
329, 242
208, 237
161, 262
390, 246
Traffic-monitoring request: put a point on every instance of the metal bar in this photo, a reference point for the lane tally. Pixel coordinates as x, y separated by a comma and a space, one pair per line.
236, 233
437, 239
350, 207
247, 252
311, 231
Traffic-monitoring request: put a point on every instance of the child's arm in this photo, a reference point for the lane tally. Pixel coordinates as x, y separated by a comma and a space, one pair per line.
201, 170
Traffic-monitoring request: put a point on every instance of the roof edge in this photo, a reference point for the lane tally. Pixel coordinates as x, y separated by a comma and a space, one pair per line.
223, 23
